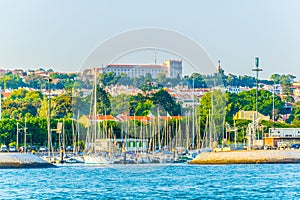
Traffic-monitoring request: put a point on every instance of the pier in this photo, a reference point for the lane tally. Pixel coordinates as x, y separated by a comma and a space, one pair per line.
248, 157
16, 160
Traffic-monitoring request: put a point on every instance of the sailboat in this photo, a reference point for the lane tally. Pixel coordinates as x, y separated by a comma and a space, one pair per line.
91, 156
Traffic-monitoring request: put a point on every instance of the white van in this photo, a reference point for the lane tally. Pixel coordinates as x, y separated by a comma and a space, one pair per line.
4, 148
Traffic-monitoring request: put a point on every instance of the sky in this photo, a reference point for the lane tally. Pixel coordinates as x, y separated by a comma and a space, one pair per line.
61, 34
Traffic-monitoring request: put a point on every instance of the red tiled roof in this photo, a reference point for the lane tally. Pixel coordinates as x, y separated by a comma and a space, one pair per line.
136, 65
170, 117
146, 119
6, 94
103, 118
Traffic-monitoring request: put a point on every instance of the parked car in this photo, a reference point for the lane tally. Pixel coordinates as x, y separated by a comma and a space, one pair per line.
4, 148
33, 148
295, 146
12, 149
43, 149
69, 148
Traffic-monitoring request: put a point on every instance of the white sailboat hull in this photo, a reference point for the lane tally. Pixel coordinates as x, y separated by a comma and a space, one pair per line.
91, 159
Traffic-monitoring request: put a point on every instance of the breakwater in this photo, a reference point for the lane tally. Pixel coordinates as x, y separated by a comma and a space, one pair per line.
248, 157
16, 160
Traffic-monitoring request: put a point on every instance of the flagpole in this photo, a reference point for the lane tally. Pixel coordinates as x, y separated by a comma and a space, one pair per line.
193, 124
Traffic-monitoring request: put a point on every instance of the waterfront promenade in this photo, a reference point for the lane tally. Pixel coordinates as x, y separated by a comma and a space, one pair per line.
248, 157
16, 160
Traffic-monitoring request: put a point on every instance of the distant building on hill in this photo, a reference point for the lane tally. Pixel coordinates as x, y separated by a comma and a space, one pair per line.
170, 68
249, 115
296, 91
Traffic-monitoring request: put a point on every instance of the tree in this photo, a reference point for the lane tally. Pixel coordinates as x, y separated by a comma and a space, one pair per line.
295, 116
108, 78
103, 101
120, 104
143, 108
161, 78
35, 81
7, 131
163, 98
62, 106
275, 78
286, 82
18, 94
10, 81
34, 97
43, 109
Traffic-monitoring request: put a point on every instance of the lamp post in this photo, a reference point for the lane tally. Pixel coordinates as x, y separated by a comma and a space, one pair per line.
257, 70
25, 132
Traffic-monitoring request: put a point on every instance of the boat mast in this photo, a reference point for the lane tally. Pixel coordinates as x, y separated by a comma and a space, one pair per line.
0, 103
49, 118
193, 123
95, 110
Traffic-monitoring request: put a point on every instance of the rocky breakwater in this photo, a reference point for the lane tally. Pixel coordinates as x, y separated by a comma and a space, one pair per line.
16, 160
248, 157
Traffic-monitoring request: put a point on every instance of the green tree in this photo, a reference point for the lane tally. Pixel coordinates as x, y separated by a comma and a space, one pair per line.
275, 78
163, 98
34, 97
143, 108
62, 106
10, 81
108, 78
103, 101
18, 94
120, 104
7, 131
295, 116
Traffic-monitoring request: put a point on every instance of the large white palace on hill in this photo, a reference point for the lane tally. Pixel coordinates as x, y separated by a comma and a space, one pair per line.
170, 68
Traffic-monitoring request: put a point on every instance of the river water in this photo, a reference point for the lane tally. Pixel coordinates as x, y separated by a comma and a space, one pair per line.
180, 181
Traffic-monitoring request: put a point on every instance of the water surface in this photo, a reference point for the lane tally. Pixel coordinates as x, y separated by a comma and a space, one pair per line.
180, 181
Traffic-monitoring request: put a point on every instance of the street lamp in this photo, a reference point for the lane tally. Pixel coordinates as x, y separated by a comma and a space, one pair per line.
17, 136
257, 70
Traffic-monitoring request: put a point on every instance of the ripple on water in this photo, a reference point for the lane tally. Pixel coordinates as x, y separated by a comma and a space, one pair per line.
153, 182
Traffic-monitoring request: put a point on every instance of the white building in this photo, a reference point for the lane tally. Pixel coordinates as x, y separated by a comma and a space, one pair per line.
171, 68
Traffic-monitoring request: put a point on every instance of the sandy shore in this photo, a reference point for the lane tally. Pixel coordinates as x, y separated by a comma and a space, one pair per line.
248, 157
16, 160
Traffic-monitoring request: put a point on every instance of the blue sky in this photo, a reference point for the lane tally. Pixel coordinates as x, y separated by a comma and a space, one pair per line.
61, 34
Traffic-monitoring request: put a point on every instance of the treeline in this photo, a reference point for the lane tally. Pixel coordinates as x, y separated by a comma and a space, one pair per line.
33, 106
198, 80
38, 82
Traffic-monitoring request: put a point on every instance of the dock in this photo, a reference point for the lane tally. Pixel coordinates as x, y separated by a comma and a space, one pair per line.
17, 160
247, 157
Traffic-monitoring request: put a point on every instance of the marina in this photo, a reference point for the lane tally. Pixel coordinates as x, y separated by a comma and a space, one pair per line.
154, 100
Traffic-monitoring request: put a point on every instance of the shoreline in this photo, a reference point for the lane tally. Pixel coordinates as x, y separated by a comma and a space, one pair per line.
248, 157
17, 160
